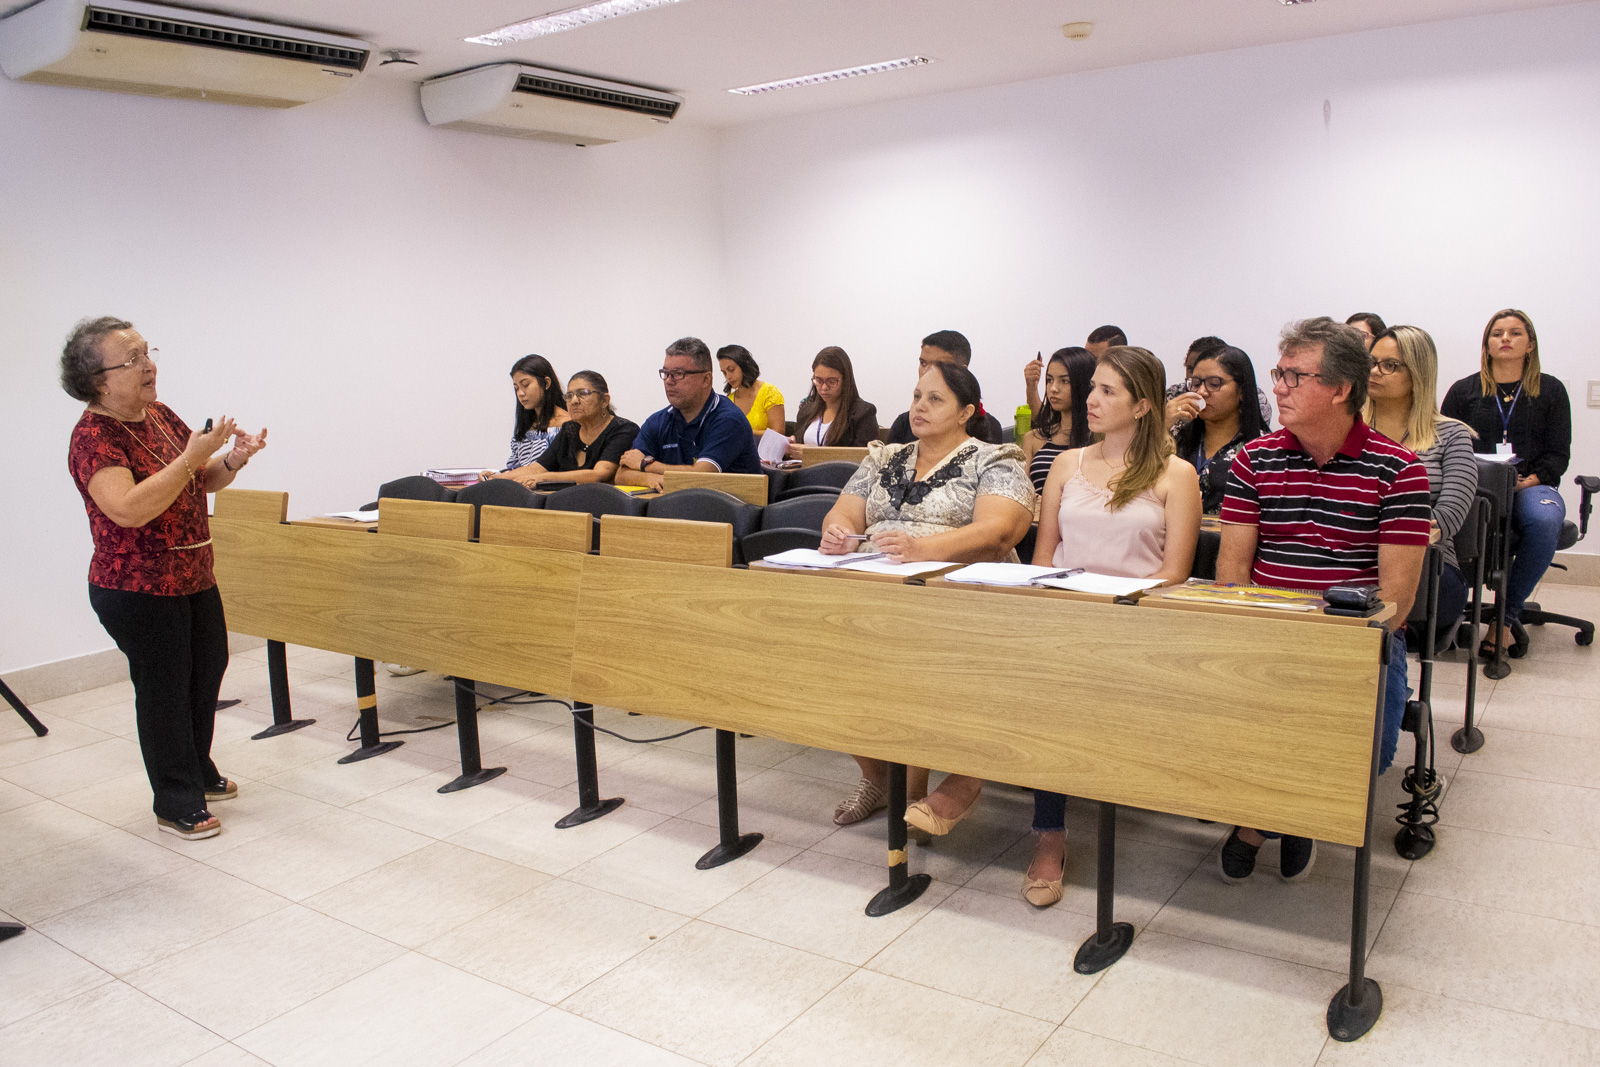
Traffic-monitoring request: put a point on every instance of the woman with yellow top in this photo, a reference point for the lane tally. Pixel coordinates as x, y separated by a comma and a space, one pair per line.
760, 401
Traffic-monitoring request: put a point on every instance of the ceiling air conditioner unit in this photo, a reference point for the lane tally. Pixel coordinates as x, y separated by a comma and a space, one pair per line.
515, 100
152, 50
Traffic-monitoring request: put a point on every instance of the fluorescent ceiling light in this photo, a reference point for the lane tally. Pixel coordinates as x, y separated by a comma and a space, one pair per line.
566, 19
832, 75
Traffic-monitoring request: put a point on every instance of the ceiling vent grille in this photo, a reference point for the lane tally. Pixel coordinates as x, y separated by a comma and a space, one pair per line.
642, 105
105, 20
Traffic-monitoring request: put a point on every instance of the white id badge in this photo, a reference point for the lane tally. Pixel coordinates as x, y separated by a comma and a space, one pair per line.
1504, 449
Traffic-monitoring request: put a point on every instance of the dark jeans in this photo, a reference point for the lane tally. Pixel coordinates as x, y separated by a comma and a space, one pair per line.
177, 649
1537, 515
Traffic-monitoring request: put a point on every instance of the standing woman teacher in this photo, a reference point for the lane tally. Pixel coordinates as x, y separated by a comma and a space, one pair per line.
144, 476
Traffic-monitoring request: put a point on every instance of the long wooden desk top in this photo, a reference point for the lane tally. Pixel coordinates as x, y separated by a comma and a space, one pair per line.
1216, 715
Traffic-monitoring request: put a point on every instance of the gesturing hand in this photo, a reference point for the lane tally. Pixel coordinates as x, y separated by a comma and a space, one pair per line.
246, 445
203, 444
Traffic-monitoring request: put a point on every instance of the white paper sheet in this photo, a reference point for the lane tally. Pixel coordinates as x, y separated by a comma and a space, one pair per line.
1103, 584
772, 446
358, 516
810, 557
1001, 574
903, 570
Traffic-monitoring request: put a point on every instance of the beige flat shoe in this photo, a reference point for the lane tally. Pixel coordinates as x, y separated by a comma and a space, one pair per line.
1040, 893
922, 817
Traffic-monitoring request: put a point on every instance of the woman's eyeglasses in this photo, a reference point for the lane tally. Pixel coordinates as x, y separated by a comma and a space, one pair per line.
142, 359
826, 383
1385, 367
1213, 384
581, 394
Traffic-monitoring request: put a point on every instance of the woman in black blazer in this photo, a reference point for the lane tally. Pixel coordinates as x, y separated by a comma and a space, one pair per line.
834, 413
1520, 413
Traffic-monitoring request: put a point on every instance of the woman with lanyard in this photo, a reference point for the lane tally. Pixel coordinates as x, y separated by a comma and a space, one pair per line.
144, 476
1523, 416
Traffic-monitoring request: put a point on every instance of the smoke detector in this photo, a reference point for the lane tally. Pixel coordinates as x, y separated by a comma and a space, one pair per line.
1077, 31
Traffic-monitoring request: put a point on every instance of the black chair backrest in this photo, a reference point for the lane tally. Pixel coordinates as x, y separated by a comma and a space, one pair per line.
1419, 604
801, 512
762, 543
1470, 538
1497, 484
708, 505
415, 487
1205, 555
807, 490
500, 491
835, 472
596, 498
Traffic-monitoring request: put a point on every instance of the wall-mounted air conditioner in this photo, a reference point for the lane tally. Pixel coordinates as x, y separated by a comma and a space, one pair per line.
153, 50
515, 100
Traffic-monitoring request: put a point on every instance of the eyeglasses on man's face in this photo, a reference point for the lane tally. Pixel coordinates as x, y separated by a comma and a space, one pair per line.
141, 359
580, 394
1385, 367
676, 376
1293, 378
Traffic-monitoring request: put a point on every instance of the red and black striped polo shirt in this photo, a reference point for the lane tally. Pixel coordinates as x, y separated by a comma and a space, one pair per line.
1318, 527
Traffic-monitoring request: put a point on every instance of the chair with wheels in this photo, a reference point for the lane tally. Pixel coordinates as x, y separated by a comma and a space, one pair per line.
708, 505
1497, 486
1472, 543
1571, 534
501, 492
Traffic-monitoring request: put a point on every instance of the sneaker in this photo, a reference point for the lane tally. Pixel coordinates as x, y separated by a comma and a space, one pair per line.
1238, 859
1296, 857
201, 824
868, 798
222, 789
398, 671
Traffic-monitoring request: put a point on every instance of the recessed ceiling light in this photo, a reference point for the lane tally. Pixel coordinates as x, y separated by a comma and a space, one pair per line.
832, 75
566, 19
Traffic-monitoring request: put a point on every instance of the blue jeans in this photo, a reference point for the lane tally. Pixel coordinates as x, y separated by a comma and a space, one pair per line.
1049, 812
1536, 518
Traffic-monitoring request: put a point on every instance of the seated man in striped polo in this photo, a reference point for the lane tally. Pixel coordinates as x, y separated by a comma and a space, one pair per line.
1324, 501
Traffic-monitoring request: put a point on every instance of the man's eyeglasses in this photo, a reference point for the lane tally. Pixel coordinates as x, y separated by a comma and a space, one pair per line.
1385, 367
142, 359
826, 383
580, 394
1292, 378
678, 375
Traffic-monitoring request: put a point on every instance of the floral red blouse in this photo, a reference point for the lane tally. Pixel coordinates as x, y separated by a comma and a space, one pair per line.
142, 559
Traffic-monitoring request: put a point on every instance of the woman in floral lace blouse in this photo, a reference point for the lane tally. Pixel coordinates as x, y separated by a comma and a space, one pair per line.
943, 497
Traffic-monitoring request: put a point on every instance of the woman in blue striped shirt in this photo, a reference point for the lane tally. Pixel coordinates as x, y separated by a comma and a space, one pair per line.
540, 409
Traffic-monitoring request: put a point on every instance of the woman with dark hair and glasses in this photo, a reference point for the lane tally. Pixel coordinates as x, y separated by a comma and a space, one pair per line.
1222, 378
833, 414
1061, 422
144, 476
541, 411
760, 401
1523, 415
589, 445
944, 496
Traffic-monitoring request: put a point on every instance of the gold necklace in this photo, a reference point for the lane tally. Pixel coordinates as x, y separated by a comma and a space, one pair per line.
153, 453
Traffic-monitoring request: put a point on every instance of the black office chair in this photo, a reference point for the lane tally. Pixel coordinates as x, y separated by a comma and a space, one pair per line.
597, 499
708, 505
808, 490
831, 475
501, 492
759, 544
412, 487
1571, 534
777, 481
1497, 485
1205, 556
801, 512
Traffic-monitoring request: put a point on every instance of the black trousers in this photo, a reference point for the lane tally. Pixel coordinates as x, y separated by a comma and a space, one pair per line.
177, 649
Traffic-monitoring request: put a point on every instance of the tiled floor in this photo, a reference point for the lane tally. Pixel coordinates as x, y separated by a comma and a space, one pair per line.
351, 914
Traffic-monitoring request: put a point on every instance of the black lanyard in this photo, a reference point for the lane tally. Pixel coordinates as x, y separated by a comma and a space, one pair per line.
1505, 412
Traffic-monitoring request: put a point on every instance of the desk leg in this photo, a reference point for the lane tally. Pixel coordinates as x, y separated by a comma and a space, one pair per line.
732, 844
10, 930
1469, 738
20, 708
472, 769
903, 888
367, 702
590, 806
278, 678
1111, 939
1356, 1007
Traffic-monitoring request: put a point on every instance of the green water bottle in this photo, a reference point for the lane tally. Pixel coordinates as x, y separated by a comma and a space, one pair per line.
1024, 421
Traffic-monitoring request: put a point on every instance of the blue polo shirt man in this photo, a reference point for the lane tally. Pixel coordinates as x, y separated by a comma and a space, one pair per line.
697, 430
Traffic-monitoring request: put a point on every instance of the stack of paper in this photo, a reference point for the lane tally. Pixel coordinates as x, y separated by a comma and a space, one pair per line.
455, 477
358, 516
866, 562
1076, 579
772, 447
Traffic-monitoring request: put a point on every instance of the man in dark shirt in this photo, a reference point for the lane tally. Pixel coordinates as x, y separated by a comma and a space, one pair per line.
1325, 501
946, 346
697, 430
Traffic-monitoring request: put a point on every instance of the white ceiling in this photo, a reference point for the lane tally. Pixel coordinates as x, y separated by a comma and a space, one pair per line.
701, 48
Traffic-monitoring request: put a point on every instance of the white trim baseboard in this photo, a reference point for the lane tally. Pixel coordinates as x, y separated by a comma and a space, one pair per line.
1583, 568
63, 677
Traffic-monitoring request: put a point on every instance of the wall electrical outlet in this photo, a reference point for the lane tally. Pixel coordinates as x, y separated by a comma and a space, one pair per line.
1594, 394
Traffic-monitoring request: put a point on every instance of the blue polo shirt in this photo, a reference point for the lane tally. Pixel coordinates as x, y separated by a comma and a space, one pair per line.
720, 434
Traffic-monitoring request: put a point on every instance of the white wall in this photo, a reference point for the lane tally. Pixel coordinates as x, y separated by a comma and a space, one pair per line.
1456, 176
347, 276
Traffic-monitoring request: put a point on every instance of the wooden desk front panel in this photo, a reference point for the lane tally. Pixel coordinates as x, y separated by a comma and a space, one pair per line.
1263, 722
493, 613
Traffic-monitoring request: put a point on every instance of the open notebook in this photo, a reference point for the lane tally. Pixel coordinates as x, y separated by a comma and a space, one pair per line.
1075, 579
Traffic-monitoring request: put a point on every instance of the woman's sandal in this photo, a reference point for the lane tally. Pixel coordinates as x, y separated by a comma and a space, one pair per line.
225, 789
200, 824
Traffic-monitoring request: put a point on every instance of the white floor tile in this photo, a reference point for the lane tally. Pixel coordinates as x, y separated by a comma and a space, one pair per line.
410, 1012
556, 1037
418, 805
111, 1024
1512, 874
527, 834
63, 772
62, 878
14, 796
345, 784
36, 973
312, 856
42, 825
1541, 811
1074, 1048
796, 809
18, 745
236, 981
708, 993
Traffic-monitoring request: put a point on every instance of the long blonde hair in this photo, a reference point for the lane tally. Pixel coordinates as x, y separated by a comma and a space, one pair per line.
1421, 360
1530, 364
1146, 379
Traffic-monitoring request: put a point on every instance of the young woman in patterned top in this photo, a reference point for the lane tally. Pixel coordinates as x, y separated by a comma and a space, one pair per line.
144, 476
